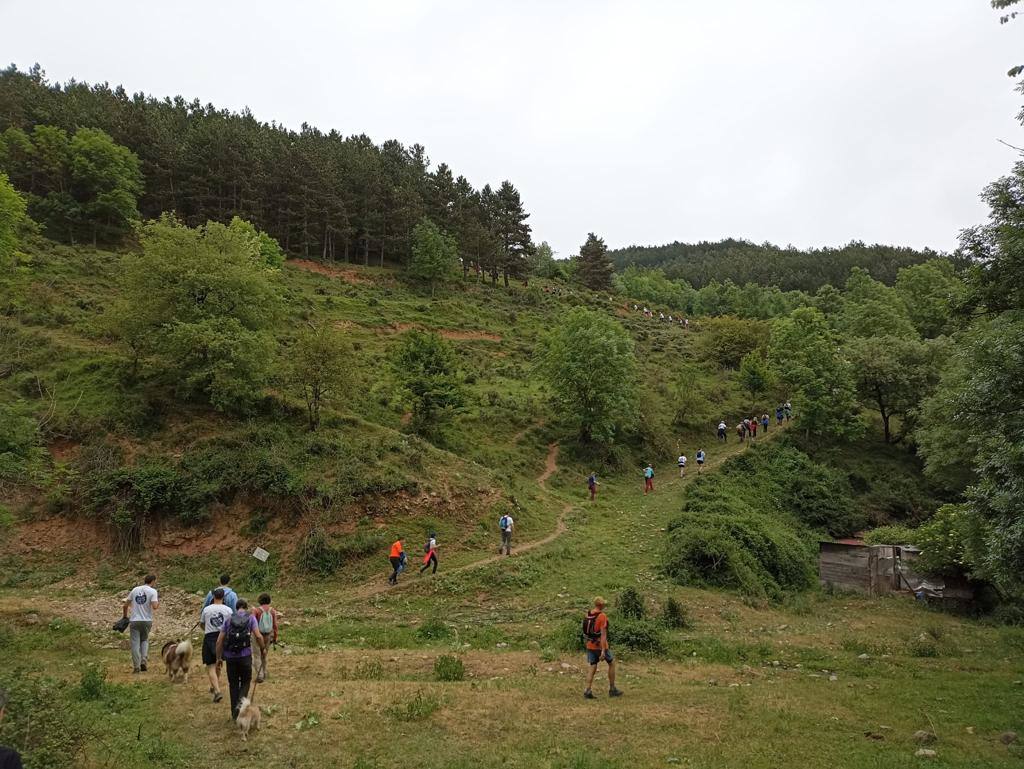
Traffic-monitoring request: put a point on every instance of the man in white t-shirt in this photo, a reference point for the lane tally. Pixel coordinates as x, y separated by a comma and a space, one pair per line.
682, 465
505, 523
138, 609
214, 618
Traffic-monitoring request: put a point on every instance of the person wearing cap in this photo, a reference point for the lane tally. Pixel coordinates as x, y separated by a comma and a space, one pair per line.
595, 631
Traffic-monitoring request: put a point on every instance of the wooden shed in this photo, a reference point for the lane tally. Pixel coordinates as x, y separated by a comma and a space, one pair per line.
850, 564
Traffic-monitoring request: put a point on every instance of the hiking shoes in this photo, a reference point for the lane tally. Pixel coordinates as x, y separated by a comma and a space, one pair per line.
217, 696
614, 692
142, 667
589, 695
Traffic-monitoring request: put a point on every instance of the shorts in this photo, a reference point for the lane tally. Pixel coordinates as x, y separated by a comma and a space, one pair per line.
210, 648
595, 655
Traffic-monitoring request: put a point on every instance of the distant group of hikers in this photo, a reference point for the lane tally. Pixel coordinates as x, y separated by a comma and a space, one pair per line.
749, 426
399, 559
230, 631
684, 322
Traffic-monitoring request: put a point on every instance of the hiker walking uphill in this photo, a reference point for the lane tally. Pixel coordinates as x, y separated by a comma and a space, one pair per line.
721, 431
138, 608
779, 411
765, 421
397, 559
682, 465
595, 633
592, 485
648, 479
266, 621
230, 596
430, 554
701, 456
788, 410
234, 647
506, 524
213, 619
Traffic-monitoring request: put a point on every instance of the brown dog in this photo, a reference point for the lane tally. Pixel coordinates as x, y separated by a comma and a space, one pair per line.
177, 656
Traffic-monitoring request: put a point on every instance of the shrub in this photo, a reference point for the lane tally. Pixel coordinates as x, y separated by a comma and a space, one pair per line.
316, 553
637, 634
433, 629
41, 722
630, 603
369, 670
923, 646
448, 667
675, 615
93, 684
420, 707
752, 553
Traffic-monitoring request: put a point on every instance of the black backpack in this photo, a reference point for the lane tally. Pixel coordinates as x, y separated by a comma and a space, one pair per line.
238, 635
589, 632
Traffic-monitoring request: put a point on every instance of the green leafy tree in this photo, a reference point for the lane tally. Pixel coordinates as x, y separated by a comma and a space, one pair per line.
435, 254
893, 374
12, 220
594, 269
106, 181
755, 374
320, 362
198, 305
804, 350
930, 292
426, 368
543, 263
588, 360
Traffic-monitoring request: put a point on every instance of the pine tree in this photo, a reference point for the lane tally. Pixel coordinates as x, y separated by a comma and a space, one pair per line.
594, 268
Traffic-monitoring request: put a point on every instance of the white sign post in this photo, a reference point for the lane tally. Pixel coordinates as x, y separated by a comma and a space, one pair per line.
260, 554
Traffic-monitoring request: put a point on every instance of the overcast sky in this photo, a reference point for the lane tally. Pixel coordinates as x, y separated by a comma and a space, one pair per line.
811, 122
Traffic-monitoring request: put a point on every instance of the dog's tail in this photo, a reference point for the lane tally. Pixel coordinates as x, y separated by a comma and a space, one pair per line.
184, 649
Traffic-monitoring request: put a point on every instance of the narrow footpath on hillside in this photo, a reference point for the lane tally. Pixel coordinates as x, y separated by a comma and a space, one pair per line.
379, 587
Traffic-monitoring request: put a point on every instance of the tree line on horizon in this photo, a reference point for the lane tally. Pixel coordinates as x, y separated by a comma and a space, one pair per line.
318, 194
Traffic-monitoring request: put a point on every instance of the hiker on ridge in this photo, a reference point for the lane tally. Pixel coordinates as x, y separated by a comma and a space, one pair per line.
506, 524
395, 558
700, 460
430, 554
778, 415
788, 410
765, 421
682, 465
721, 431
648, 479
592, 485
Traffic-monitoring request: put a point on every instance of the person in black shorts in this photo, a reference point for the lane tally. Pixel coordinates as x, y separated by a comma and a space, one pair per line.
9, 758
213, 619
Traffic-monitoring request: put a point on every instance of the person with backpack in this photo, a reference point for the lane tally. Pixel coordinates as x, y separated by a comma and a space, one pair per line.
430, 553
595, 634
765, 421
234, 648
396, 557
682, 465
778, 415
701, 456
592, 485
752, 428
266, 621
788, 410
648, 479
213, 619
9, 757
230, 596
721, 431
138, 608
741, 431
506, 524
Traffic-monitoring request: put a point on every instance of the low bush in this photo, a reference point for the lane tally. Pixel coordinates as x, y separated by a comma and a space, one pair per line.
317, 554
93, 684
674, 615
630, 603
448, 667
433, 629
422, 705
752, 553
638, 635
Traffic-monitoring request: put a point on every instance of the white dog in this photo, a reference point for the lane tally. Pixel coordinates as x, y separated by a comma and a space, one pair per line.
177, 656
248, 717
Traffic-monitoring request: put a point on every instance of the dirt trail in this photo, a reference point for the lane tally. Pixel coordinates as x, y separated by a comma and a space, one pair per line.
347, 274
370, 589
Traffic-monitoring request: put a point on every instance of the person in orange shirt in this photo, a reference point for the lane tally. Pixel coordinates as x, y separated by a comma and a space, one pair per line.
397, 557
595, 631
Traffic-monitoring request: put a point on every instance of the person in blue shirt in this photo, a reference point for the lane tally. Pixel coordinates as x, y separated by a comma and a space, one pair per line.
230, 596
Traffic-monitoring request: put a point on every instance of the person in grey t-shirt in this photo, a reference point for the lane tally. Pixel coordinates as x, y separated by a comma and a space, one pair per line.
138, 609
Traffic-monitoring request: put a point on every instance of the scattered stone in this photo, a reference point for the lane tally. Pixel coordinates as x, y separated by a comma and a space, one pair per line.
775, 663
885, 728
970, 730
1018, 683
502, 645
782, 627
672, 760
864, 656
713, 682
874, 736
925, 753
1008, 738
833, 677
31, 619
922, 737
